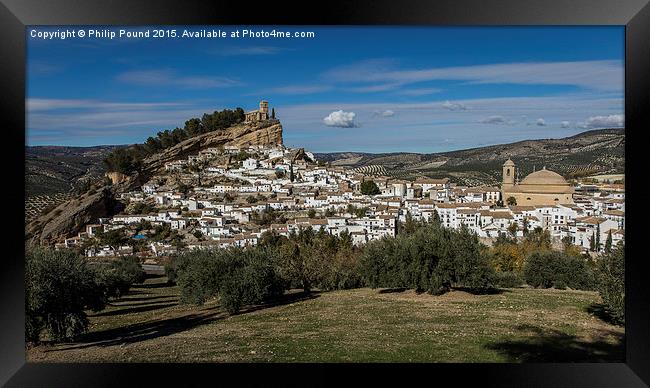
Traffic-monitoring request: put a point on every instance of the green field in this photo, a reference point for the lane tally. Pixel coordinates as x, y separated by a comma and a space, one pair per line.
362, 325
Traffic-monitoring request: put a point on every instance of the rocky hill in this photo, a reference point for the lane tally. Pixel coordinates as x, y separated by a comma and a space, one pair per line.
70, 216
262, 133
593, 152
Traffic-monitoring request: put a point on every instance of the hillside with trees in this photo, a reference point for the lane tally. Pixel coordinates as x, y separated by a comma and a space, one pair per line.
129, 159
600, 151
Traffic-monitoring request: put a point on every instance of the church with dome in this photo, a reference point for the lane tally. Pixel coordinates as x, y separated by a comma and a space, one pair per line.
543, 187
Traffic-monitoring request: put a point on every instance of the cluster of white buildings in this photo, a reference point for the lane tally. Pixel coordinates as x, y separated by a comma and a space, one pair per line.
271, 180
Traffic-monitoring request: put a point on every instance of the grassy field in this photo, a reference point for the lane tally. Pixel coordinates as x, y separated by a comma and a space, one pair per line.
363, 325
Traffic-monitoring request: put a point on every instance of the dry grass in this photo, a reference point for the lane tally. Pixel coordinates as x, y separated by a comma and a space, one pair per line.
362, 325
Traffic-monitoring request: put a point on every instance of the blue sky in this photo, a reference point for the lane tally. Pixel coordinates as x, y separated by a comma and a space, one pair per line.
368, 89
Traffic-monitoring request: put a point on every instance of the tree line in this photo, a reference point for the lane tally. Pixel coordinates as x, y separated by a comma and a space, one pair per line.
129, 159
431, 258
531, 260
252, 275
424, 256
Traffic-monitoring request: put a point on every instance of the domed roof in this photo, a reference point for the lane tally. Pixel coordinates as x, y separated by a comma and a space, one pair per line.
544, 177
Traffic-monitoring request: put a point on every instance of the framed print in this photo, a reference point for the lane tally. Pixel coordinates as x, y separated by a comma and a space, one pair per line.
378, 189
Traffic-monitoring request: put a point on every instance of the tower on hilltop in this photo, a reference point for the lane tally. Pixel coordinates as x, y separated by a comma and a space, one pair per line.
261, 114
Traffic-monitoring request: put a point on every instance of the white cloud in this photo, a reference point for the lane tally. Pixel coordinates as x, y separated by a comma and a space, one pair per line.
45, 104
565, 124
454, 106
170, 78
63, 121
496, 119
352, 71
98, 119
340, 119
610, 121
300, 89
573, 108
376, 88
540, 122
424, 125
43, 68
420, 92
385, 113
598, 75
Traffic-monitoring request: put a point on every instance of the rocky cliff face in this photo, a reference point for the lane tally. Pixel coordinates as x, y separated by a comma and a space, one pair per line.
262, 133
69, 218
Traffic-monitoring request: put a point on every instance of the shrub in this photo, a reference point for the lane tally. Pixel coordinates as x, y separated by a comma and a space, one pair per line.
470, 267
298, 261
253, 283
316, 260
369, 188
238, 276
560, 285
342, 272
142, 208
611, 283
540, 269
171, 268
112, 238
377, 265
508, 280
198, 275
117, 276
548, 269
508, 257
59, 287
431, 258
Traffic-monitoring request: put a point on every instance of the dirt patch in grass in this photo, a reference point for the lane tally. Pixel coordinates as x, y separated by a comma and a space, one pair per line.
411, 295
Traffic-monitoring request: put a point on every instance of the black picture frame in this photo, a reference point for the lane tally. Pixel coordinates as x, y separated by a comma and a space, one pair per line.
16, 14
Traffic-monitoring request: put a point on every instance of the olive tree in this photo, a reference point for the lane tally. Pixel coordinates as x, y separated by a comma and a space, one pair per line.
59, 287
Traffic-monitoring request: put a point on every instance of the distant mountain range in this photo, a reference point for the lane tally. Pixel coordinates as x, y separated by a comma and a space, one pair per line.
599, 151
58, 169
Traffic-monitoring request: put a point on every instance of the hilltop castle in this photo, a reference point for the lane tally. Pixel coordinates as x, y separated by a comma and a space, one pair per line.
543, 187
258, 115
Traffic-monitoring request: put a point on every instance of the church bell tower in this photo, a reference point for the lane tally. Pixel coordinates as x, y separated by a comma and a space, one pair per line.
509, 173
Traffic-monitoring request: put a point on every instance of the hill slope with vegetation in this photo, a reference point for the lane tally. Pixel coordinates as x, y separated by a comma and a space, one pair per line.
599, 151
53, 170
